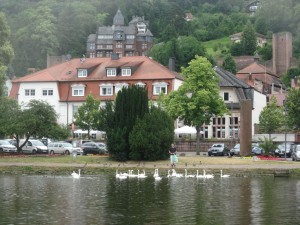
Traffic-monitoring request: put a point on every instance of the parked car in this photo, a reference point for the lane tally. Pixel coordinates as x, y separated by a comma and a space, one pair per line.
280, 150
34, 146
61, 147
218, 149
296, 153
256, 150
5, 146
93, 148
235, 150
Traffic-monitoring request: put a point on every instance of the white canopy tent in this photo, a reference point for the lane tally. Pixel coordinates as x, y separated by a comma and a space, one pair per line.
186, 132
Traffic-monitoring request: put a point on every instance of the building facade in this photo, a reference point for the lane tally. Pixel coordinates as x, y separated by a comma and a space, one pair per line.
132, 40
65, 86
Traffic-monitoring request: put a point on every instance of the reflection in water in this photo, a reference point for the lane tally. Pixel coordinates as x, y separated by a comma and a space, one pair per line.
104, 199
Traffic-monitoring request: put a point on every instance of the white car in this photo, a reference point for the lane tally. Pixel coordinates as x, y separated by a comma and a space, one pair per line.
63, 148
34, 146
5, 146
296, 153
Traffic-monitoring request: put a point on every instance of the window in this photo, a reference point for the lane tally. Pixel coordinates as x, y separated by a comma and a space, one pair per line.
82, 72
92, 55
126, 72
29, 92
106, 90
92, 46
47, 92
140, 84
111, 72
129, 46
160, 87
99, 54
119, 86
129, 53
144, 46
78, 90
119, 45
130, 36
99, 46
226, 96
109, 46
75, 108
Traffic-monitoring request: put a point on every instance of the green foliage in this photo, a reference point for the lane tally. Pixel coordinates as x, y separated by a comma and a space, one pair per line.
271, 117
86, 114
197, 100
183, 49
37, 119
248, 40
293, 108
151, 136
266, 52
290, 74
229, 64
267, 145
131, 103
236, 49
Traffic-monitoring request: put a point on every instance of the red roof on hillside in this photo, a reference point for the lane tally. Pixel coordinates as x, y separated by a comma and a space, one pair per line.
145, 68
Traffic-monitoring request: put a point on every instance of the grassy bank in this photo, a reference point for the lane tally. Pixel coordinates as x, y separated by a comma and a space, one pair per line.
95, 164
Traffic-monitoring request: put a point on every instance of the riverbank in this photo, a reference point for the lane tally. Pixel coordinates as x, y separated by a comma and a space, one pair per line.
64, 165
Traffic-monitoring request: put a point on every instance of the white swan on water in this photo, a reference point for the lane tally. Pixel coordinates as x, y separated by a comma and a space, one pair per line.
199, 175
120, 175
186, 174
207, 175
156, 176
141, 175
224, 175
76, 175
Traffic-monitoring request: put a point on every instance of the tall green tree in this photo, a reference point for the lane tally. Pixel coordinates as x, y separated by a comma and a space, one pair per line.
293, 108
248, 40
6, 52
151, 136
131, 103
86, 115
271, 117
197, 100
229, 64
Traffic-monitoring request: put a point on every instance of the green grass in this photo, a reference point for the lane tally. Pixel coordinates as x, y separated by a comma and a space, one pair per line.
215, 47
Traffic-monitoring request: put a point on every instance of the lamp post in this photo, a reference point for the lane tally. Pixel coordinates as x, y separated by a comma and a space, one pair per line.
285, 127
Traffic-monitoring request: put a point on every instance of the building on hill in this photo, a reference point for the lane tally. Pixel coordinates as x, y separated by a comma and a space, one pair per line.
132, 40
263, 80
65, 86
261, 39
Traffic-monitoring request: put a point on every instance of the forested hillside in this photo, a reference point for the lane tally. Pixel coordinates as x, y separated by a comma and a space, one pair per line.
60, 27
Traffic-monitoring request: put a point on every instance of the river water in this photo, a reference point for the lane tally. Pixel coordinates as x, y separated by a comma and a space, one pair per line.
104, 199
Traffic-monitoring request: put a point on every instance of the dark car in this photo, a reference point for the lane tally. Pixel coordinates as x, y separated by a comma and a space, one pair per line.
218, 149
284, 149
93, 148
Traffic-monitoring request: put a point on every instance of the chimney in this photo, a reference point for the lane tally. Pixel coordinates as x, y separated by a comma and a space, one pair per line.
172, 64
114, 56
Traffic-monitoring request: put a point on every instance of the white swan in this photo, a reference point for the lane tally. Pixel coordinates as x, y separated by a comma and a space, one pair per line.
76, 175
199, 175
156, 176
175, 174
169, 175
120, 175
186, 175
224, 175
208, 176
141, 175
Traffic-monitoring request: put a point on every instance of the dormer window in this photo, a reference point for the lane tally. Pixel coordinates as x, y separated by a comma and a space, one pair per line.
78, 89
126, 72
119, 87
82, 72
111, 72
160, 88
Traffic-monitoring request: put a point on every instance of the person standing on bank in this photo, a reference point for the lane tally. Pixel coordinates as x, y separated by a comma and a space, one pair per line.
173, 158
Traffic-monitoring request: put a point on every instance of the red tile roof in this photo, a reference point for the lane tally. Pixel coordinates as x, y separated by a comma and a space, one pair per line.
67, 71
256, 68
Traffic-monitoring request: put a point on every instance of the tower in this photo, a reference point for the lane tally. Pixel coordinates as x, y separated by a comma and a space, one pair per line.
282, 52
